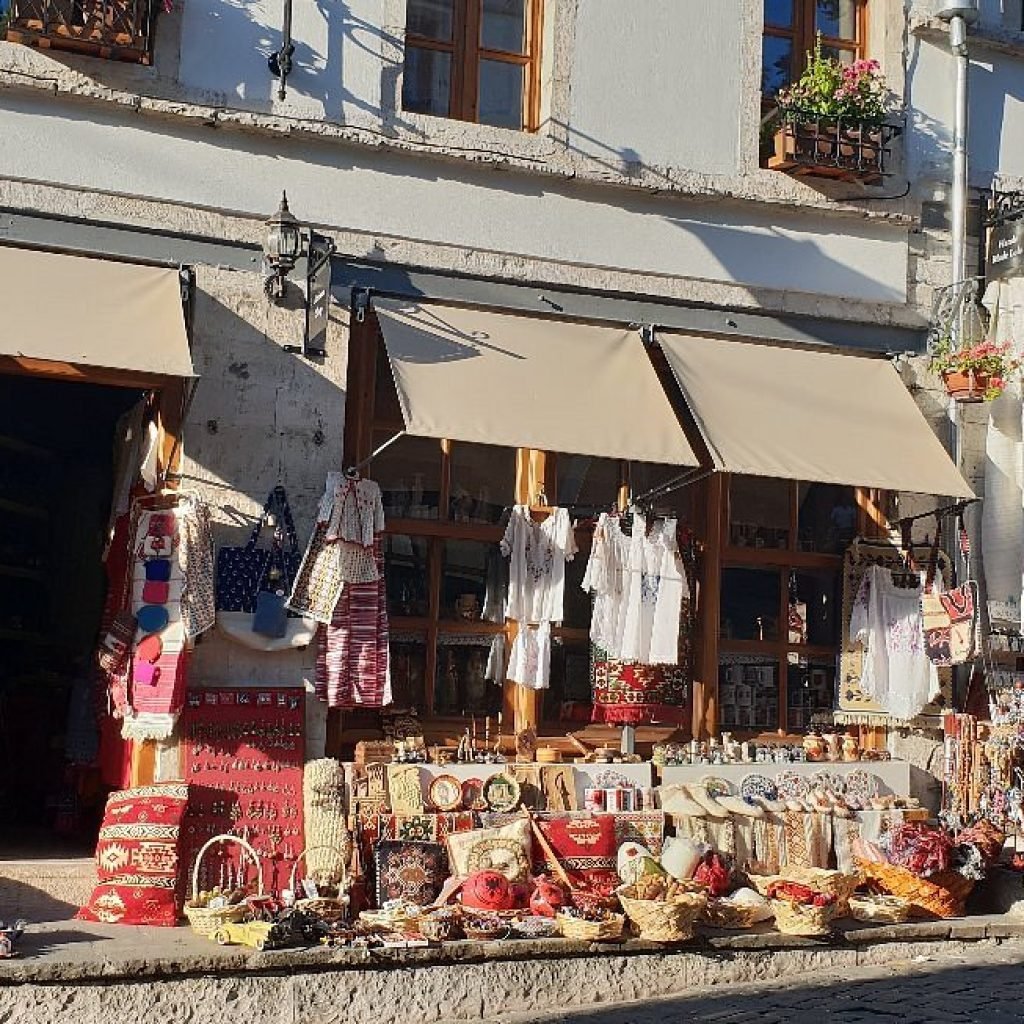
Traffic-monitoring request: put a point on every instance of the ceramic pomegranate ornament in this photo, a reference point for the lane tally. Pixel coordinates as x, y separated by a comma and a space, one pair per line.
547, 898
488, 890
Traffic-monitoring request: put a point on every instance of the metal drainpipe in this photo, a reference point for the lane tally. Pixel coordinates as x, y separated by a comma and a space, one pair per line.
958, 217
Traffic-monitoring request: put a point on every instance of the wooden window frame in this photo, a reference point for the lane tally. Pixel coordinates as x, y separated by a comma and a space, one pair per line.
721, 554
466, 54
803, 34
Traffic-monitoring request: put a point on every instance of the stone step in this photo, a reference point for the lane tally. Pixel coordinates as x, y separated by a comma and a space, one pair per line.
45, 889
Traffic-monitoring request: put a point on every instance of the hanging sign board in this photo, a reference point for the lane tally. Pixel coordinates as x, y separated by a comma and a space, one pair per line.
318, 295
1005, 250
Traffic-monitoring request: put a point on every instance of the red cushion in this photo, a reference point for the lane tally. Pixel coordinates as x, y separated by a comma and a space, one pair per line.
586, 848
137, 857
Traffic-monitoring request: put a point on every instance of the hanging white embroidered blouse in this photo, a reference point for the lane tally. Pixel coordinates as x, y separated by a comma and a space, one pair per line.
537, 554
886, 620
639, 583
352, 513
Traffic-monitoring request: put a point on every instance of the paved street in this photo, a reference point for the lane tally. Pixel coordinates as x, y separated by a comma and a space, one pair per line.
983, 985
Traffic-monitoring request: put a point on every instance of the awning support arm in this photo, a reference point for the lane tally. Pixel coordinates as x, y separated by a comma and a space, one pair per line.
674, 484
353, 470
945, 510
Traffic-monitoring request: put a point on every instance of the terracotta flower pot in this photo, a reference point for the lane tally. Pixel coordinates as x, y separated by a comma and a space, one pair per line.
966, 387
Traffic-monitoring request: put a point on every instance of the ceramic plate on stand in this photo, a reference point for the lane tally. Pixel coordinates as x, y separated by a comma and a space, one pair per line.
791, 786
502, 793
473, 795
445, 793
861, 785
754, 786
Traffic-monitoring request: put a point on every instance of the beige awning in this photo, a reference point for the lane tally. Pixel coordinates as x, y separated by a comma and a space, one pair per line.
808, 415
92, 312
526, 382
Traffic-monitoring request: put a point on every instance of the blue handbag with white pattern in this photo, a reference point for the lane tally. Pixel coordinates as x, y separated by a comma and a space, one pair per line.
243, 572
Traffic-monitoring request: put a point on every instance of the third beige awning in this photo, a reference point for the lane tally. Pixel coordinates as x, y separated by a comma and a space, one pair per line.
527, 382
804, 414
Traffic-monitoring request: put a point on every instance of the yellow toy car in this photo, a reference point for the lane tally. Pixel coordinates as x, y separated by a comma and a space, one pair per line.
259, 935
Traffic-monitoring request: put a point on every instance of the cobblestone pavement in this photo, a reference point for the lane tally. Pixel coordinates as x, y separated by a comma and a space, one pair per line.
983, 985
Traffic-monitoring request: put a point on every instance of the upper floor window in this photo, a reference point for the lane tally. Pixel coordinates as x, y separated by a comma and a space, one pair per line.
474, 60
790, 30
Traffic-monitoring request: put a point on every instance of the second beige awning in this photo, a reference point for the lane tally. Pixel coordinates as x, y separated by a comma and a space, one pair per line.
803, 414
526, 382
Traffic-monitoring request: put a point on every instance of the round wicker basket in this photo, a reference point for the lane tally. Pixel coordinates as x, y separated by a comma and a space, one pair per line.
793, 918
206, 920
608, 930
835, 883
664, 920
879, 909
328, 909
722, 913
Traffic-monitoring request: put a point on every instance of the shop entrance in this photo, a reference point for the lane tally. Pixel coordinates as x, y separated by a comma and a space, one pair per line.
57, 450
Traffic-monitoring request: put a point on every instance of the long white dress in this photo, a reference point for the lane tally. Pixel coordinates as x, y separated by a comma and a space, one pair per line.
886, 619
638, 582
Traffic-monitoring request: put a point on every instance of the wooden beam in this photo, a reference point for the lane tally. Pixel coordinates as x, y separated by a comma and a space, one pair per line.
27, 367
705, 683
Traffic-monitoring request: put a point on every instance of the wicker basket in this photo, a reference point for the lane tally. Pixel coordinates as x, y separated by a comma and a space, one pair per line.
328, 909
440, 927
577, 928
792, 918
720, 913
664, 920
206, 920
879, 909
942, 895
835, 883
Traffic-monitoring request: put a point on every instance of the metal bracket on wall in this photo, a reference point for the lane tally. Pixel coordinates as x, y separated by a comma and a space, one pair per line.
280, 63
360, 303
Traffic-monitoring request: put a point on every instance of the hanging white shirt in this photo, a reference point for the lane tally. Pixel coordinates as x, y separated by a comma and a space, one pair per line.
606, 578
537, 554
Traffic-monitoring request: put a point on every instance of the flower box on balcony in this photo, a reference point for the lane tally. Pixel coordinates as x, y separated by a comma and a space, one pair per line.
850, 151
113, 29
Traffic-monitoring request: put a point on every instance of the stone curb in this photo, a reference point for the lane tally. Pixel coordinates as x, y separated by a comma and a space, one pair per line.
860, 941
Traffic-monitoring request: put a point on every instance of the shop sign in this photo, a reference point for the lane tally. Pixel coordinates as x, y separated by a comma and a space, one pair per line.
1005, 250
318, 295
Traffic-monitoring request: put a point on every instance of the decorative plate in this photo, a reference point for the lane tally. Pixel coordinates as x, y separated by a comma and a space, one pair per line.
473, 795
825, 779
446, 793
861, 785
717, 786
791, 786
754, 786
502, 793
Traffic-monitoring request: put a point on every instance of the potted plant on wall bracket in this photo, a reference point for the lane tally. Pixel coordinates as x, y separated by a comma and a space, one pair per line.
974, 373
832, 123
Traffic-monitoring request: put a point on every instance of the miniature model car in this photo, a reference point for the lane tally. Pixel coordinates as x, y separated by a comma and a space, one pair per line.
9, 934
259, 935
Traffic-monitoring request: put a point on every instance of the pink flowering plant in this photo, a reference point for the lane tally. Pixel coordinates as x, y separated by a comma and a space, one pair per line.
831, 90
996, 363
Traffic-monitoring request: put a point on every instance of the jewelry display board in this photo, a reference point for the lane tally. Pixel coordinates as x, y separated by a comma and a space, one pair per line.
244, 754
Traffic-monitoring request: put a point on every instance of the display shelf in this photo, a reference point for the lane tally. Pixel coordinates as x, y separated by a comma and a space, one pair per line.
17, 572
20, 508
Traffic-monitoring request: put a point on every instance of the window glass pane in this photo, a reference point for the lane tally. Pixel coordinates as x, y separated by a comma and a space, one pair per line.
759, 512
430, 18
503, 25
408, 670
472, 578
837, 19
776, 64
501, 94
427, 81
406, 573
828, 517
750, 604
583, 480
748, 692
814, 605
483, 482
576, 602
409, 474
810, 688
462, 685
845, 56
778, 13
568, 698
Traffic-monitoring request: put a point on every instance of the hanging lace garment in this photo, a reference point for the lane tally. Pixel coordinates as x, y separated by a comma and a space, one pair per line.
886, 619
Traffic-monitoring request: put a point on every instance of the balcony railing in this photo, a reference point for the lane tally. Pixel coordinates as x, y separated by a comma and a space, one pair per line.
848, 150
114, 29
